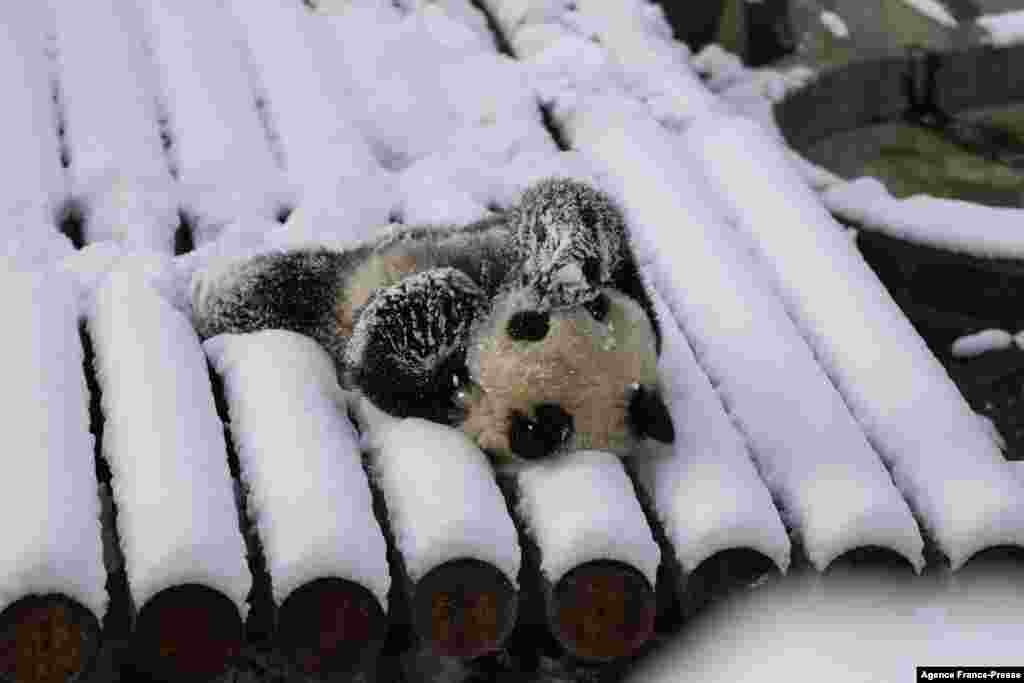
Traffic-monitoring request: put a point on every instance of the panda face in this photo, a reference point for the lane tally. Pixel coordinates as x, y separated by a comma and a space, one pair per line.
546, 383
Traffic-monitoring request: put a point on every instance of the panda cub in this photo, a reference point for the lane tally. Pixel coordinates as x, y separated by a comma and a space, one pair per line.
530, 330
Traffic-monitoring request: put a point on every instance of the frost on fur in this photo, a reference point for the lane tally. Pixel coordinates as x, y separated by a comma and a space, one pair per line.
291, 291
408, 349
573, 239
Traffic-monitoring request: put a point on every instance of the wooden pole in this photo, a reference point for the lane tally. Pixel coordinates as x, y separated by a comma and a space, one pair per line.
602, 610
187, 632
464, 608
331, 626
47, 639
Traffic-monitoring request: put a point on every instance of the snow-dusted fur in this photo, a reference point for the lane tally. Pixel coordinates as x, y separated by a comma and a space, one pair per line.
437, 322
592, 370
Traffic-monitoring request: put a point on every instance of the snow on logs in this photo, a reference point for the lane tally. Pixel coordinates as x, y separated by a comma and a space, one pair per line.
184, 552
941, 457
833, 488
221, 149
31, 178
458, 547
717, 513
108, 85
52, 578
307, 100
597, 557
308, 496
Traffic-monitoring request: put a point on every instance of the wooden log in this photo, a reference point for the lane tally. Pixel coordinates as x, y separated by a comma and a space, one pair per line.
187, 632
602, 610
597, 611
47, 639
331, 626
451, 561
722, 573
870, 557
464, 608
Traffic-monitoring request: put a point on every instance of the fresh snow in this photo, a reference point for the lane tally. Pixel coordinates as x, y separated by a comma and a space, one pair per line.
600, 520
656, 65
342, 193
834, 23
704, 488
109, 93
442, 499
300, 462
1006, 28
461, 11
165, 445
934, 10
52, 535
971, 345
811, 453
951, 224
439, 105
947, 466
221, 149
32, 182
309, 98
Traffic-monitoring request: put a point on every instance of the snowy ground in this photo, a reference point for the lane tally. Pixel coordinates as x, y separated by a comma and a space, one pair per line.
789, 360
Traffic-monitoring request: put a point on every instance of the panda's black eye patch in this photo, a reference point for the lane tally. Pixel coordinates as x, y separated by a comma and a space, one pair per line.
529, 325
588, 217
533, 439
554, 423
598, 307
524, 438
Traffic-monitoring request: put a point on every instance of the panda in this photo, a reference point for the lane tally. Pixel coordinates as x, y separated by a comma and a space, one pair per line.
530, 330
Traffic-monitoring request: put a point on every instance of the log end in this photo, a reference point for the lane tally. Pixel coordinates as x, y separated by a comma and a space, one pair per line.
47, 639
186, 633
330, 626
464, 608
720, 574
602, 610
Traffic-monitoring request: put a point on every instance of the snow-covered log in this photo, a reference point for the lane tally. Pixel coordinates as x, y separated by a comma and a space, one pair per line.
308, 496
459, 551
307, 100
811, 452
119, 173
184, 552
704, 489
221, 149
32, 182
942, 459
51, 570
597, 557
636, 35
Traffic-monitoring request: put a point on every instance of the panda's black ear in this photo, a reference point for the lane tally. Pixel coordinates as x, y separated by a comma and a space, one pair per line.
649, 417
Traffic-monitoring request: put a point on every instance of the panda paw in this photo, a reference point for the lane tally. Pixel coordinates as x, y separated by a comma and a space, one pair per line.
407, 353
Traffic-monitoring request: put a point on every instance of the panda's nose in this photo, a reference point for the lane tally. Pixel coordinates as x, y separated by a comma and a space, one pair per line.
533, 439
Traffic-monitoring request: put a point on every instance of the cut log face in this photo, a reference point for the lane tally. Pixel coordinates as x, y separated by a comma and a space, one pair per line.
464, 608
725, 571
47, 639
186, 633
331, 626
602, 610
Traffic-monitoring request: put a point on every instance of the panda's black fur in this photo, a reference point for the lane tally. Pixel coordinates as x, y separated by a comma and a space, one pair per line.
396, 314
